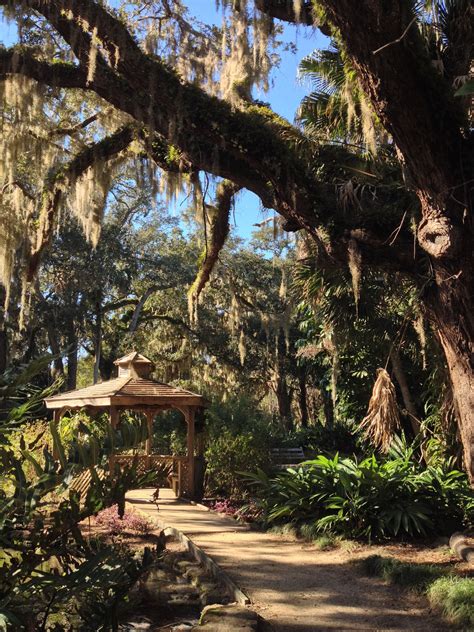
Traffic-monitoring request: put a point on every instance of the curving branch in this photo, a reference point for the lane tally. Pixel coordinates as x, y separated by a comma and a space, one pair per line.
219, 231
253, 148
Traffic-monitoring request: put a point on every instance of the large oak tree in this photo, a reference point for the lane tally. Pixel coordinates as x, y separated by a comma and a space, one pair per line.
185, 129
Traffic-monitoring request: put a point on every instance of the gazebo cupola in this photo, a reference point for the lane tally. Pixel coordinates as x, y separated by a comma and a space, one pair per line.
134, 365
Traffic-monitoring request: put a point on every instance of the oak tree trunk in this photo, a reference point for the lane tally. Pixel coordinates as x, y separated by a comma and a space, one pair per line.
449, 308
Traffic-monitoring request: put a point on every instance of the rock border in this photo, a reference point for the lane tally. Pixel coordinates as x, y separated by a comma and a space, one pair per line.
220, 576
462, 545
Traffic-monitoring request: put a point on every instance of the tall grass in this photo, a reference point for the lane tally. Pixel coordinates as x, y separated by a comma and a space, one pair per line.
454, 597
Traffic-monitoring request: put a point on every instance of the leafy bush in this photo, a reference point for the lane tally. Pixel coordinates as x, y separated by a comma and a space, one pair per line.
454, 596
239, 438
370, 498
228, 455
52, 577
130, 521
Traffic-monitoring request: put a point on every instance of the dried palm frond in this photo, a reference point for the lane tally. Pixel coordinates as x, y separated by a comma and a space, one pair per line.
382, 418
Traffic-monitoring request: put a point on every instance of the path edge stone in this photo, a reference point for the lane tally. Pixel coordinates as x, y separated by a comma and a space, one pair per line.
212, 567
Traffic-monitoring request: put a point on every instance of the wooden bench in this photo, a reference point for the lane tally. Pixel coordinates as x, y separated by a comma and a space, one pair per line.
287, 457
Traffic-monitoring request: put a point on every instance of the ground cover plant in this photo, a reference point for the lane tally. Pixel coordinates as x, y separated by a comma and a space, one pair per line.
449, 593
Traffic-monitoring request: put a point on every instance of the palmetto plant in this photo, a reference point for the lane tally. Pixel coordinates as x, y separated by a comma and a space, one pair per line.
336, 108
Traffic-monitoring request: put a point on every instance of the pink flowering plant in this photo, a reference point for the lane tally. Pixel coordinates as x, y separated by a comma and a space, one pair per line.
248, 512
131, 521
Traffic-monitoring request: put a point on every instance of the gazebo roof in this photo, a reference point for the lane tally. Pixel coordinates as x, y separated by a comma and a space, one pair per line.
127, 390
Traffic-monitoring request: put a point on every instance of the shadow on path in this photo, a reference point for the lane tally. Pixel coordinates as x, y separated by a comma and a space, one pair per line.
291, 584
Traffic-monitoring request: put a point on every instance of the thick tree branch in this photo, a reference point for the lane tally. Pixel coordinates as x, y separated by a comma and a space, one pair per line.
254, 148
285, 10
219, 231
22, 61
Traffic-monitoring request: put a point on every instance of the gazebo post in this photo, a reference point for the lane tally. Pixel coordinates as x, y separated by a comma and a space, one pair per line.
149, 441
190, 437
114, 417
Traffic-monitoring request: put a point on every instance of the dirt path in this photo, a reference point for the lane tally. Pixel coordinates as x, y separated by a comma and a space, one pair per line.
291, 584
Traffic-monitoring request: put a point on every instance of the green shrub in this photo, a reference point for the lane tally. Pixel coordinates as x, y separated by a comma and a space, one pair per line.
238, 439
229, 454
454, 596
408, 575
371, 499
309, 531
340, 437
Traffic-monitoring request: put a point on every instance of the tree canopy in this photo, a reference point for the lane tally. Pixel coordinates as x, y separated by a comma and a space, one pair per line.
180, 99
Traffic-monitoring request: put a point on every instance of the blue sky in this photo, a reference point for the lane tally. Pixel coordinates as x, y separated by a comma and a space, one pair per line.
284, 96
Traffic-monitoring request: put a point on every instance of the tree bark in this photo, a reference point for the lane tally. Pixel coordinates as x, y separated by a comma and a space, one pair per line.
3, 333
303, 401
71, 358
328, 408
450, 312
405, 391
58, 367
284, 402
97, 342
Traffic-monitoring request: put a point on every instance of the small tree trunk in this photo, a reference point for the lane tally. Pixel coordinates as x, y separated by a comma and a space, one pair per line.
303, 397
58, 367
405, 391
284, 403
71, 342
3, 333
328, 408
97, 343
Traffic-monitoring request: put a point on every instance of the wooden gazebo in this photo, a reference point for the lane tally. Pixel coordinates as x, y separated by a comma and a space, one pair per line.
135, 390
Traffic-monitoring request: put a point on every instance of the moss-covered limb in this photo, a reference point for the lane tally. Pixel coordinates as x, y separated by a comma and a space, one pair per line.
202, 126
219, 231
285, 10
164, 155
253, 148
21, 60
59, 180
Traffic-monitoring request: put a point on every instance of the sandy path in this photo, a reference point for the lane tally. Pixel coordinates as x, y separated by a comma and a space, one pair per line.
293, 585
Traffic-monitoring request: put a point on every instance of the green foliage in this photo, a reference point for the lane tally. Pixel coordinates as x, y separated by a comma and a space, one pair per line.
454, 596
230, 454
405, 574
239, 439
48, 568
369, 499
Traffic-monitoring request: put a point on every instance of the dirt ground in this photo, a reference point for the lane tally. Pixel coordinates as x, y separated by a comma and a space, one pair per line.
298, 588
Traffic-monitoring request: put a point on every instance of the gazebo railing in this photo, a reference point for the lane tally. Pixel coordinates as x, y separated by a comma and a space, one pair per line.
146, 462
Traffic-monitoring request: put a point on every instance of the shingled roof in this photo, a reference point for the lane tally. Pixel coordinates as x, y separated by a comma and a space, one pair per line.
131, 390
